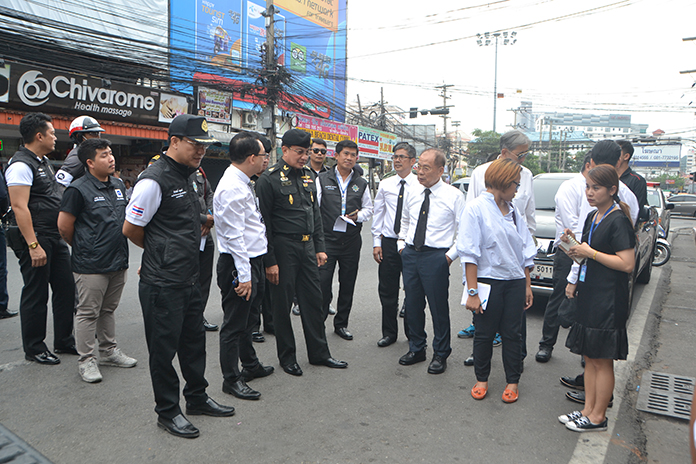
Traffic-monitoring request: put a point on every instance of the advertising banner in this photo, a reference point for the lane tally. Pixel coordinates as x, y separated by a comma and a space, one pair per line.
374, 143
332, 132
656, 156
32, 88
215, 105
229, 37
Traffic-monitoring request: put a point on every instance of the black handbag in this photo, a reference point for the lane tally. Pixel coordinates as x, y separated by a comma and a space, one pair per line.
566, 312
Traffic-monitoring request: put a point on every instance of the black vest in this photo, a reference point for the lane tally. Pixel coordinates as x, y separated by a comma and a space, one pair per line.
45, 193
173, 235
331, 203
99, 245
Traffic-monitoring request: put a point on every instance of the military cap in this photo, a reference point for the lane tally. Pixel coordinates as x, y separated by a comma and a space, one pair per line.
193, 127
297, 137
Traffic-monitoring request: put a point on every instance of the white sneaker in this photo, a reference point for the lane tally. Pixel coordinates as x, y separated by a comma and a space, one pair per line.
118, 359
89, 371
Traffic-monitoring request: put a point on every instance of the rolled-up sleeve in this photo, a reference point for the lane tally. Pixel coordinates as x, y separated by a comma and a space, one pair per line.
469, 236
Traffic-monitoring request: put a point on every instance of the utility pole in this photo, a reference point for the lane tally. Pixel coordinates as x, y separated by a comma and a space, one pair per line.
443, 88
271, 70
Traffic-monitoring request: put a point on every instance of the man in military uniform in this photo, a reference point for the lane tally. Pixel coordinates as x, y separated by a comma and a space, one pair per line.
288, 202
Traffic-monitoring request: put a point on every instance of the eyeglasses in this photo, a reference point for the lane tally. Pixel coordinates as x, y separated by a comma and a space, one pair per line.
424, 168
197, 145
319, 150
517, 184
400, 157
523, 154
300, 151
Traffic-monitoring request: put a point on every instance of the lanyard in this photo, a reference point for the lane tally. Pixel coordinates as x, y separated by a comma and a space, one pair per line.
343, 192
594, 226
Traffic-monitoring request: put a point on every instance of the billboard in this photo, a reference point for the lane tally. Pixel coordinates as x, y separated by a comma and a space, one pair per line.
33, 88
374, 143
215, 105
227, 39
656, 156
332, 132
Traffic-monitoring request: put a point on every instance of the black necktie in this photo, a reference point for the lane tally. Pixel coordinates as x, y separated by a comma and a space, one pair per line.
419, 238
399, 208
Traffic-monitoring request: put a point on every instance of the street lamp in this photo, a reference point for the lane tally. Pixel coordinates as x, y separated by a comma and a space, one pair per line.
487, 39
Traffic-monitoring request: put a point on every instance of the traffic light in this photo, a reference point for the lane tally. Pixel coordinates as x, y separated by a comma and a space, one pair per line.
413, 113
691, 176
0, 145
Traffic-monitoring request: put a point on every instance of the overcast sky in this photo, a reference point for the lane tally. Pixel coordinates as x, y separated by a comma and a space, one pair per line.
617, 57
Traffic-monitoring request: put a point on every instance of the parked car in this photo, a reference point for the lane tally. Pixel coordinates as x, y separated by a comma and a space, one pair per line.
656, 198
545, 188
684, 204
462, 184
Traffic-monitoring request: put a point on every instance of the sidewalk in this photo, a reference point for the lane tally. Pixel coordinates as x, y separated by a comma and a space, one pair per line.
673, 348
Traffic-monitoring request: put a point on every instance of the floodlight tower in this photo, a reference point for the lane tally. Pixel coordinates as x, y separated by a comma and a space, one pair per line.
486, 39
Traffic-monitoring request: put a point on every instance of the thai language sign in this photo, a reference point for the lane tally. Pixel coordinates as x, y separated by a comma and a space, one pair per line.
332, 132
374, 143
215, 105
657, 156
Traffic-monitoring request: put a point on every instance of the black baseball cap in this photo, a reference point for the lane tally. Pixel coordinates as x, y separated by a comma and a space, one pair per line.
193, 127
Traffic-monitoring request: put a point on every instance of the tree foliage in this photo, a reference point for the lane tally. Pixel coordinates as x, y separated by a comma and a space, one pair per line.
485, 144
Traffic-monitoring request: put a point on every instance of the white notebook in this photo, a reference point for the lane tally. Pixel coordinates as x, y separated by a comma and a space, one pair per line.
484, 292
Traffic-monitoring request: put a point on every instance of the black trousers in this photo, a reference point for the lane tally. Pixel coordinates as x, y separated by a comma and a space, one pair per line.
33, 305
173, 320
298, 274
426, 274
503, 315
389, 272
346, 253
561, 267
238, 324
264, 309
4, 298
206, 274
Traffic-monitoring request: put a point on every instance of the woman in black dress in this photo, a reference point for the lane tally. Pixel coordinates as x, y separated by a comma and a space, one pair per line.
601, 289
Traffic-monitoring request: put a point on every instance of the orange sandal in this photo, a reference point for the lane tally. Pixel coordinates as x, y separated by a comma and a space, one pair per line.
510, 396
479, 393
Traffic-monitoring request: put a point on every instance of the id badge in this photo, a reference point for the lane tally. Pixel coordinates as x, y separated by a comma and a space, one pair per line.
583, 270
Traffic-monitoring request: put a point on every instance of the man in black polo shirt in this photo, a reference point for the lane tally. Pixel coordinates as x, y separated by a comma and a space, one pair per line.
344, 199
90, 219
163, 217
43, 256
628, 176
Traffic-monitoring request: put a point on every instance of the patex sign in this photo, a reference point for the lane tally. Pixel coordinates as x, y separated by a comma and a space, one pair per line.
37, 89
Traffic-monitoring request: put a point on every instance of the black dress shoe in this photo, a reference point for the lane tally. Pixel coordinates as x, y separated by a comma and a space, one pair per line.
209, 408
67, 350
543, 355
43, 358
343, 333
257, 337
208, 326
412, 357
293, 369
6, 313
438, 365
241, 390
577, 383
332, 363
469, 361
579, 397
386, 341
257, 372
179, 426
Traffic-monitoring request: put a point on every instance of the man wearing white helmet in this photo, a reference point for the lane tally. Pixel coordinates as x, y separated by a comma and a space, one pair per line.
81, 129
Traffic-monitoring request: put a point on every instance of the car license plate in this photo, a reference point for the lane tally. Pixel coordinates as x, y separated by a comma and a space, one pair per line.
542, 272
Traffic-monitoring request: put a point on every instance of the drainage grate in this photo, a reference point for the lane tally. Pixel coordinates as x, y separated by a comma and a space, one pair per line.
14, 450
666, 394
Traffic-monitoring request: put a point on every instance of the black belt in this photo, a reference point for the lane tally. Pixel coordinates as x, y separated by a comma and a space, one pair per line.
427, 248
297, 237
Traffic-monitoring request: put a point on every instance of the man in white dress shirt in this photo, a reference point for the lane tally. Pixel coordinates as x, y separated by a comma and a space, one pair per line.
342, 194
514, 145
427, 246
386, 225
242, 242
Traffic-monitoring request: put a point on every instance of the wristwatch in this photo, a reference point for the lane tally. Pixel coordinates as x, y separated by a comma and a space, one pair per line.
472, 291
33, 245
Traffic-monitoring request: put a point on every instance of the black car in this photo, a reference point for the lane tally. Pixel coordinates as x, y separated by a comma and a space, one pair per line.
545, 188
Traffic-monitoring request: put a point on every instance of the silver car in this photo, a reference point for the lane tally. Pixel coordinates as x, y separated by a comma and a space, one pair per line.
683, 204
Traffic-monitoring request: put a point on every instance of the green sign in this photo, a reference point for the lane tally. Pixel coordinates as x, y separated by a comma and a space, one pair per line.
298, 58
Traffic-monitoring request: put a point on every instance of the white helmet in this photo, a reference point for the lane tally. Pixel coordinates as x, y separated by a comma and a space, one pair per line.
83, 124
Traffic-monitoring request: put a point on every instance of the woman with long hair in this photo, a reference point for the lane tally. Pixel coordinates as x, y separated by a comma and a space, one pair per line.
496, 249
601, 289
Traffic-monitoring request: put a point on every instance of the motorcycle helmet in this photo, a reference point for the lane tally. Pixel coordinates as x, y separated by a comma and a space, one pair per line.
82, 125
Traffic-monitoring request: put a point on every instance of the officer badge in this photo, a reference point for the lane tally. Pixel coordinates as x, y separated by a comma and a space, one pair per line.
119, 194
290, 199
204, 125
195, 187
286, 167
355, 188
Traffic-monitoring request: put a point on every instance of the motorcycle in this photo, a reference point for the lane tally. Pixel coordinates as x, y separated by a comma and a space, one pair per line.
663, 250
